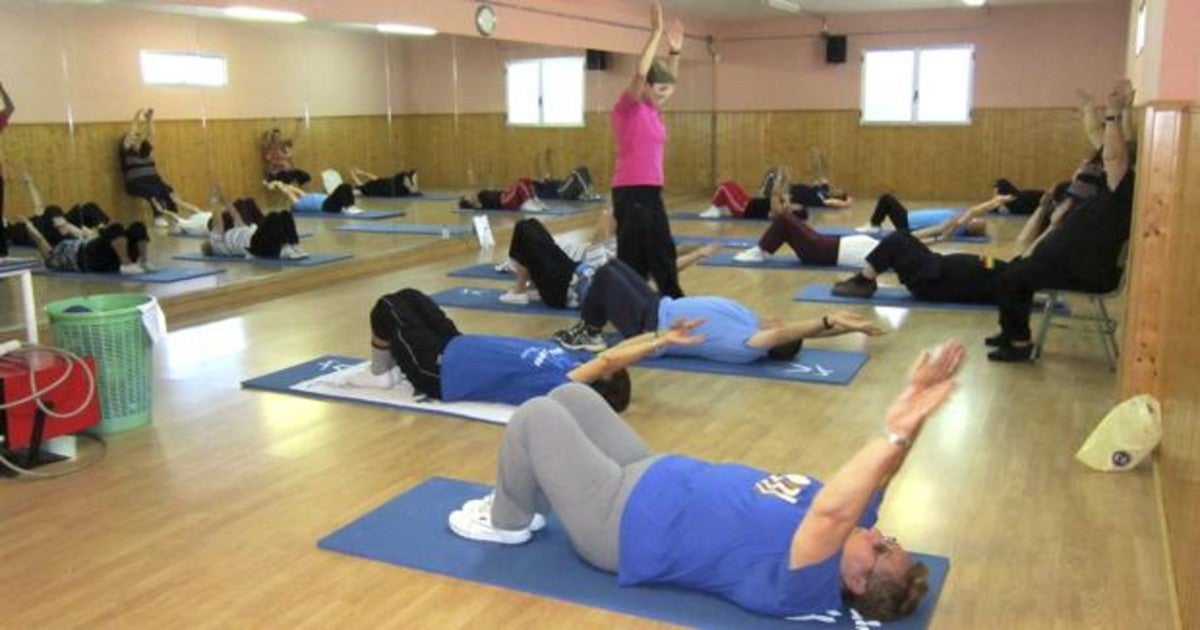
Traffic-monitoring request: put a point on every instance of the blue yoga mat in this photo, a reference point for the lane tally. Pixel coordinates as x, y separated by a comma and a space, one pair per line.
740, 242
556, 210
483, 271
365, 215
894, 296
834, 367
404, 228
164, 275
489, 300
410, 530
782, 260
434, 196
312, 260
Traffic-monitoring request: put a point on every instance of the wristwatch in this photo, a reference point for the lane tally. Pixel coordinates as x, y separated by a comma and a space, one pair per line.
897, 439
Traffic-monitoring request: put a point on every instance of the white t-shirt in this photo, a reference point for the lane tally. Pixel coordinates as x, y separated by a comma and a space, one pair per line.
233, 242
853, 250
195, 225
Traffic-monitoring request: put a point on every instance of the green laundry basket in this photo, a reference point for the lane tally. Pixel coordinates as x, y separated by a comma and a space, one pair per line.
111, 331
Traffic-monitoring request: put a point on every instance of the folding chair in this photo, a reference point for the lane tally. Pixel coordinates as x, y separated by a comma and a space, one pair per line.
1098, 321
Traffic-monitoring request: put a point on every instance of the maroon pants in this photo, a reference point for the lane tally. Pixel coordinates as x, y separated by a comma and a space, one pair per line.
810, 246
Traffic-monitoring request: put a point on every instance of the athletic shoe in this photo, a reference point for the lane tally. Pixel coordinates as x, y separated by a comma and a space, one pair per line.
533, 295
147, 266
474, 506
505, 267
161, 221
291, 252
477, 525
580, 336
532, 205
997, 340
512, 297
132, 269
869, 229
1011, 354
713, 212
858, 286
752, 255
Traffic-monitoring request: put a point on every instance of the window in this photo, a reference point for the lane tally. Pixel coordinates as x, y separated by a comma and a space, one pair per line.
931, 85
545, 91
1139, 37
189, 69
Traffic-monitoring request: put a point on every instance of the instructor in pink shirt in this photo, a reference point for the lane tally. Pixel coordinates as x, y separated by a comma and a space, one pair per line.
643, 234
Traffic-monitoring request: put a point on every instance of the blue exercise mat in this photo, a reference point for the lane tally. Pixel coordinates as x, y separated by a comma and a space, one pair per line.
312, 260
164, 275
833, 367
489, 300
554, 210
410, 531
365, 215
782, 260
405, 228
432, 196
483, 271
740, 242
894, 296
689, 215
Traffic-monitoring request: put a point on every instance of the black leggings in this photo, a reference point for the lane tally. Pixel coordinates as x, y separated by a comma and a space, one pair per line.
935, 277
274, 231
87, 215
99, 255
549, 266
890, 208
644, 236
417, 331
619, 295
341, 198
393, 186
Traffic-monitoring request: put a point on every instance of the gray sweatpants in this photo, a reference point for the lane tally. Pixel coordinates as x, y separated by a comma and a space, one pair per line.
571, 452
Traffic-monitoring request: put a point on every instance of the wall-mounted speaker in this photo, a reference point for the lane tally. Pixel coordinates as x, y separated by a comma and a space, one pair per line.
597, 60
835, 49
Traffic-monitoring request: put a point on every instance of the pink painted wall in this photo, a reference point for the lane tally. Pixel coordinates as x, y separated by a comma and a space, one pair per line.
1168, 68
1030, 56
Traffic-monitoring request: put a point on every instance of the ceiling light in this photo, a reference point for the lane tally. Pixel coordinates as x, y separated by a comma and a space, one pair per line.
393, 28
974, 3
791, 6
264, 15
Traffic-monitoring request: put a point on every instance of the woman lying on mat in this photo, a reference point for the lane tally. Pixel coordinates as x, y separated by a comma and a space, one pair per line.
81, 221
1016, 200
732, 333
576, 186
410, 331
340, 201
963, 278
559, 274
113, 249
141, 173
194, 224
820, 194
519, 196
244, 231
731, 200
782, 545
402, 184
277, 160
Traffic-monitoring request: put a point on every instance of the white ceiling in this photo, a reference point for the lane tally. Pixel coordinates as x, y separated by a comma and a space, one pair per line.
758, 9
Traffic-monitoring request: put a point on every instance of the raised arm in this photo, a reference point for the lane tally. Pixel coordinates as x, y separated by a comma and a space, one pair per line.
831, 325
839, 505
36, 205
634, 89
635, 349
674, 46
947, 227
1116, 148
150, 125
1093, 128
133, 135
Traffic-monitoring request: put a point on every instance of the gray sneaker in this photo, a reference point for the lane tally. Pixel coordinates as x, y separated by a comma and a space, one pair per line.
858, 286
580, 337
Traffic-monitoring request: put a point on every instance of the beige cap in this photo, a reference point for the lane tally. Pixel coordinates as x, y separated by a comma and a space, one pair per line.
1125, 436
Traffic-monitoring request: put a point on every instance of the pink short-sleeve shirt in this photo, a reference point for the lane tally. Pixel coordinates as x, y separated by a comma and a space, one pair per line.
641, 141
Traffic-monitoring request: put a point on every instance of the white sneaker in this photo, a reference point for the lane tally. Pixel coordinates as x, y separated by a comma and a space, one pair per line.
532, 205
505, 267
291, 252
752, 255
533, 295
352, 210
512, 297
869, 229
714, 212
146, 266
478, 526
132, 269
475, 506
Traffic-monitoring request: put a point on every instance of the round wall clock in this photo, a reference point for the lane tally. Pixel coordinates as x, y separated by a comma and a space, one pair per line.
485, 20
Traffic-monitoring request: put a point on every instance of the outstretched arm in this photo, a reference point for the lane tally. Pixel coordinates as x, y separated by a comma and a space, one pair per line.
36, 206
947, 227
831, 325
150, 125
646, 60
674, 46
1093, 128
1116, 150
635, 349
839, 505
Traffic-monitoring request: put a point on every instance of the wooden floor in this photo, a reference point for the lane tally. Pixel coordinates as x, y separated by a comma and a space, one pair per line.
210, 518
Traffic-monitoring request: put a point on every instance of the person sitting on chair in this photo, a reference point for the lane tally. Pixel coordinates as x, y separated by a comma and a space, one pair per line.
732, 333
780, 545
410, 331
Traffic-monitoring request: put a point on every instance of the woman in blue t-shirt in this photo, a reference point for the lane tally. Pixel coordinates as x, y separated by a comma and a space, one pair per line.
778, 545
732, 333
410, 331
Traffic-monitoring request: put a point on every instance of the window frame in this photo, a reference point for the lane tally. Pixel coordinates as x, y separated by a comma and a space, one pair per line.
188, 54
916, 78
541, 124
